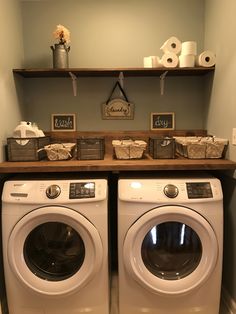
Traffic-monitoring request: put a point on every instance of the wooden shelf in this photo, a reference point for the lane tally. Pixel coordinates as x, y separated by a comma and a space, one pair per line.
111, 72
110, 164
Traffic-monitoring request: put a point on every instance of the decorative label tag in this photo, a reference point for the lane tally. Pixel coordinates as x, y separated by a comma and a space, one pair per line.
118, 108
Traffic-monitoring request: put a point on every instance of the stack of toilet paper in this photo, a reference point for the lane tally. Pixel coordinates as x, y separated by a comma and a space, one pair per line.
188, 54
188, 57
171, 48
169, 59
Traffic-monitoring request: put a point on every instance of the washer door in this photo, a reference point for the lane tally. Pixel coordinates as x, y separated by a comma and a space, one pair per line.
170, 250
55, 250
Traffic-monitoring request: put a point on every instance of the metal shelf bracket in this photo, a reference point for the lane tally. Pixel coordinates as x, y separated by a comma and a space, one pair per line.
162, 82
74, 83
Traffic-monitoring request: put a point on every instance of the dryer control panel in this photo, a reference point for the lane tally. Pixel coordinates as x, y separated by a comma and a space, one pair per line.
171, 190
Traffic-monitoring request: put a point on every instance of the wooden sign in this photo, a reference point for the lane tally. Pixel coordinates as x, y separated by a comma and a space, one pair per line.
63, 122
118, 109
162, 120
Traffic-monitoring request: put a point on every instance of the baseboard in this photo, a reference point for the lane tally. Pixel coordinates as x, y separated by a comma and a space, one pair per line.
229, 302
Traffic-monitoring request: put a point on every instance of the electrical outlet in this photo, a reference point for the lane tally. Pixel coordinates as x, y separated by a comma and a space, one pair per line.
234, 136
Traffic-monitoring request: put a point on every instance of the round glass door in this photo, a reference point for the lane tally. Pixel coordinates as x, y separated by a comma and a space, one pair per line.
170, 250
55, 250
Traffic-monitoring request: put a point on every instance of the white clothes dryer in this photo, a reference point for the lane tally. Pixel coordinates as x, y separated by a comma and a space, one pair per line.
170, 242
55, 246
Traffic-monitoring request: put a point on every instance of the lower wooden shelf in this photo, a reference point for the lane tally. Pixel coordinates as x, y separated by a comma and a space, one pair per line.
111, 164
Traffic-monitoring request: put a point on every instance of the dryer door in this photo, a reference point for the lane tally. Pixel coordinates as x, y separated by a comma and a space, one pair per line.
170, 250
55, 250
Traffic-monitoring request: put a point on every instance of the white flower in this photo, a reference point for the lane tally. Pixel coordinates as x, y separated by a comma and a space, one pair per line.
62, 33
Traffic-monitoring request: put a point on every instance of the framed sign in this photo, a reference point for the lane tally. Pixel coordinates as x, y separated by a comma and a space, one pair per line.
118, 109
162, 120
63, 122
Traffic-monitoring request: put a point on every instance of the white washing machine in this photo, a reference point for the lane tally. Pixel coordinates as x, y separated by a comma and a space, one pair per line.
55, 246
170, 242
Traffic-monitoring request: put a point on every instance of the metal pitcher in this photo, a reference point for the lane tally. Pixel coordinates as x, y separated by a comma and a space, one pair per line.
60, 56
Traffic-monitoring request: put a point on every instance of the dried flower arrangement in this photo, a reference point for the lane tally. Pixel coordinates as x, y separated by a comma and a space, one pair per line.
61, 49
62, 34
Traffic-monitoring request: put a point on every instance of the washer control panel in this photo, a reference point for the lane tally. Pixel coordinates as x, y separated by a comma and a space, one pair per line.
199, 190
82, 190
55, 191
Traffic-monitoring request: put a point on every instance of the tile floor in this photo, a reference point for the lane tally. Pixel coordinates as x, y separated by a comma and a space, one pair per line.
114, 300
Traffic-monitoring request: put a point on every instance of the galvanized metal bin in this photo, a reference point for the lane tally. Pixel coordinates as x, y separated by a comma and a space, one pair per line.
26, 149
90, 148
162, 147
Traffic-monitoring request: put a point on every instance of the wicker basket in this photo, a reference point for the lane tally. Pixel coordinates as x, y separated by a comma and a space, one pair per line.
201, 147
129, 149
62, 151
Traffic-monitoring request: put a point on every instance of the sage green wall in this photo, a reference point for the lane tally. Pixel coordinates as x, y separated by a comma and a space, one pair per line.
11, 56
112, 33
109, 33
221, 115
220, 37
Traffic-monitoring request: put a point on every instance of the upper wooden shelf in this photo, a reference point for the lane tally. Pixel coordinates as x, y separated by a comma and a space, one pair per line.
112, 72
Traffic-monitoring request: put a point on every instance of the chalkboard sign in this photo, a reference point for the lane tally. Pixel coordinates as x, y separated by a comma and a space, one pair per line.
63, 122
163, 121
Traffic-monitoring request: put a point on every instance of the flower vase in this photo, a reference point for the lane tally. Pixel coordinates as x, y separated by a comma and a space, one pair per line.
60, 56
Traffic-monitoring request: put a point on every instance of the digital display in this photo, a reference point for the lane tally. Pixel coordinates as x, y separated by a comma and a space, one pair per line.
82, 190
199, 190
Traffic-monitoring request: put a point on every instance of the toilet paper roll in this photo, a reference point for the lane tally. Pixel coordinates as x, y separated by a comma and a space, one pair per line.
206, 59
172, 44
147, 62
170, 60
187, 61
156, 62
152, 62
189, 48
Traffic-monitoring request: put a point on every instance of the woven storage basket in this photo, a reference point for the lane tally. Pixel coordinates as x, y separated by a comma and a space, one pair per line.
62, 151
201, 147
129, 149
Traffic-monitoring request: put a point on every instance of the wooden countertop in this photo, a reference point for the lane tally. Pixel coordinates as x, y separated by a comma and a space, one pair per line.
110, 164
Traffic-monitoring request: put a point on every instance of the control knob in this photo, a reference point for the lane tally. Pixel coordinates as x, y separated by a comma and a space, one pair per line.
53, 191
171, 190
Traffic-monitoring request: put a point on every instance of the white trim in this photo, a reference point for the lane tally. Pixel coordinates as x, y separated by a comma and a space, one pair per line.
228, 301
